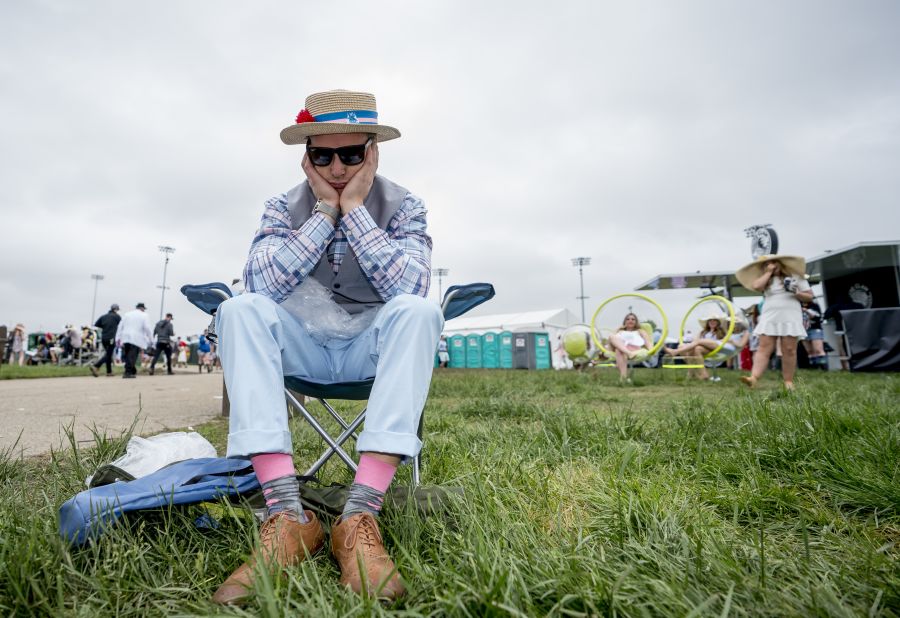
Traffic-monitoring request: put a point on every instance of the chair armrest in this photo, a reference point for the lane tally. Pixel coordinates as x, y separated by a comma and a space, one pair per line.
460, 299
207, 296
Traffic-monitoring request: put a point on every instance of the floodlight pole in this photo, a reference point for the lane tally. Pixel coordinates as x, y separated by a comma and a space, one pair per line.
162, 301
97, 279
440, 273
581, 262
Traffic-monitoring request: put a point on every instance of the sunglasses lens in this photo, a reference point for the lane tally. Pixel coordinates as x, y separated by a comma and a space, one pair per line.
352, 155
320, 156
349, 155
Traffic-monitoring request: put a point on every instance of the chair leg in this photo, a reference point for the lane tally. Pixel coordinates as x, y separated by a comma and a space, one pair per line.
338, 442
334, 414
321, 431
417, 464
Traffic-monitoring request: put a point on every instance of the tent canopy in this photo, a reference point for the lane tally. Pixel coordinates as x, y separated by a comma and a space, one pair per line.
545, 320
707, 280
855, 258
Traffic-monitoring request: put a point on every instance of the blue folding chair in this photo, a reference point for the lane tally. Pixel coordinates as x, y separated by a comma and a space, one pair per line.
457, 300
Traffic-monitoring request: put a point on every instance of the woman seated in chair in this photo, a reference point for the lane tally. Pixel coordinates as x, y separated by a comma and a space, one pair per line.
708, 340
628, 342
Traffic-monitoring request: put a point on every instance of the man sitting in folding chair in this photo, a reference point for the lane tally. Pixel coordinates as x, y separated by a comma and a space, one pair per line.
364, 239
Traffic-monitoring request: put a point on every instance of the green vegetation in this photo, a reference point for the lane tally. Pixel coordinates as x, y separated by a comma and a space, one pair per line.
14, 372
581, 498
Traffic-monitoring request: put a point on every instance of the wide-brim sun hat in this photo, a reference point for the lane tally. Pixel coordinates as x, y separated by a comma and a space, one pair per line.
748, 273
338, 111
723, 319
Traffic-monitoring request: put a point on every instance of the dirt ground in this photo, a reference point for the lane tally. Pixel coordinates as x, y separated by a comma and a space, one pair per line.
39, 409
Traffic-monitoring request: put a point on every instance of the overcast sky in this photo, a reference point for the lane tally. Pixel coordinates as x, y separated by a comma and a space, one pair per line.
645, 135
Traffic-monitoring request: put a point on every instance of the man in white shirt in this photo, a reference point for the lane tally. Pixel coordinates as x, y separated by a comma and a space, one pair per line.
135, 333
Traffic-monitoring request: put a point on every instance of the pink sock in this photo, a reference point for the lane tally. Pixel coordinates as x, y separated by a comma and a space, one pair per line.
374, 473
269, 466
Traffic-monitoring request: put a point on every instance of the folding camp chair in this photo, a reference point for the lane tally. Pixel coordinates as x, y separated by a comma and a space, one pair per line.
458, 300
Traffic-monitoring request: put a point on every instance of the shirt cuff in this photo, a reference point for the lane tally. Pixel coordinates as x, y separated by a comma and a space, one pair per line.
357, 223
318, 228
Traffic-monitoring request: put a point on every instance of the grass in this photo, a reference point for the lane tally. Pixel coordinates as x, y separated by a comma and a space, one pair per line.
14, 372
581, 498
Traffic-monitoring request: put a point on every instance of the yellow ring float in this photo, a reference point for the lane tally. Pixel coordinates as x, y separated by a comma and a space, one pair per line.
665, 321
722, 343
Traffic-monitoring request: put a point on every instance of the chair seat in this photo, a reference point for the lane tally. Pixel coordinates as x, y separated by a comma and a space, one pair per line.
354, 391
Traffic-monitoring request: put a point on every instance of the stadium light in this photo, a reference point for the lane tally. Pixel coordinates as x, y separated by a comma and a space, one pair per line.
581, 262
162, 301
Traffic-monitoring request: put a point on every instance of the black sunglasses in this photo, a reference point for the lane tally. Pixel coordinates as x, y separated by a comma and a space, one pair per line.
349, 155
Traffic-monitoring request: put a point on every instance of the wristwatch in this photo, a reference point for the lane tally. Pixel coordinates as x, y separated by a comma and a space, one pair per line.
331, 211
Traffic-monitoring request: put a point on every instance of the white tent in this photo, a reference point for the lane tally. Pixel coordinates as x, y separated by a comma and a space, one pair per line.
550, 321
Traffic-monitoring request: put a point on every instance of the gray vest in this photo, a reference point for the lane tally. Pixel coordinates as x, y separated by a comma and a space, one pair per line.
350, 286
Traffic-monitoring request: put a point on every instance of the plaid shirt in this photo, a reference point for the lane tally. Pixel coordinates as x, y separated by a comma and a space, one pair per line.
395, 261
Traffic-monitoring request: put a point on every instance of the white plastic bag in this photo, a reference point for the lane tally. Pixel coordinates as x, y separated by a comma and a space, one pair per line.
144, 456
313, 304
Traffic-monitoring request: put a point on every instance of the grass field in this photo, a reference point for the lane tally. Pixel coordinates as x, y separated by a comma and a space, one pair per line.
14, 372
581, 498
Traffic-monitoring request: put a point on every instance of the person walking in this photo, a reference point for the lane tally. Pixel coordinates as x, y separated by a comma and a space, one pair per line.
363, 238
163, 332
182, 347
108, 323
19, 343
203, 350
815, 335
782, 281
134, 334
443, 353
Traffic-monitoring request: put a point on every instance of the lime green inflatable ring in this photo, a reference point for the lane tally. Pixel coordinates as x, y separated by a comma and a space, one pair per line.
665, 323
728, 333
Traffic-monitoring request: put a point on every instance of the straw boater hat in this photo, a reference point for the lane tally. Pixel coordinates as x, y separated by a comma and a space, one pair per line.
747, 274
338, 111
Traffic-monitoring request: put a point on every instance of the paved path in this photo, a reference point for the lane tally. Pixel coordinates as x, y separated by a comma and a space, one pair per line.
39, 408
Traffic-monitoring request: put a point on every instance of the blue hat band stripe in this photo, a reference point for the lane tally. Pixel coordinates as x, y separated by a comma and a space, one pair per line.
350, 116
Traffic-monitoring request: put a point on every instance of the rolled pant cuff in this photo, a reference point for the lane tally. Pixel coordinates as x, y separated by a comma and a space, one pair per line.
246, 443
406, 444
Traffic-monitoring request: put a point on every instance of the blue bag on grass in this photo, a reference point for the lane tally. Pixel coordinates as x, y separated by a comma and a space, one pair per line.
191, 481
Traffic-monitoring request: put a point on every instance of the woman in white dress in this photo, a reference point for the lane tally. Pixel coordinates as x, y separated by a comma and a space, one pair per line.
19, 344
782, 281
629, 341
710, 339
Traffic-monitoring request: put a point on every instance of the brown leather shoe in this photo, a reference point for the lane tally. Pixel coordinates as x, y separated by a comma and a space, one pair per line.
283, 541
356, 540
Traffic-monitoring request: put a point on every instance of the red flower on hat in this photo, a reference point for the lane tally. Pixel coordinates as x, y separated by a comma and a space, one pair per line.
304, 116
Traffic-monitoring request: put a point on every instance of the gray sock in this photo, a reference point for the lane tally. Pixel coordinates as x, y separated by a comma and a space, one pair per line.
283, 494
363, 499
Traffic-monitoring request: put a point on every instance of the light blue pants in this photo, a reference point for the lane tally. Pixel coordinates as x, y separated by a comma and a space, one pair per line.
260, 342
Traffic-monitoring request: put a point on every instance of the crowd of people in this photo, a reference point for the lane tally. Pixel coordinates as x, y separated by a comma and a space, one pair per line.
766, 335
128, 340
70, 346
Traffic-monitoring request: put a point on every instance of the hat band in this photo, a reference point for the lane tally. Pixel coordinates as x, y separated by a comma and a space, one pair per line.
350, 116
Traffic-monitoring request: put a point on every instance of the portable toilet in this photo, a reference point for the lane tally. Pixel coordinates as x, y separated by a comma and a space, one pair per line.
543, 354
490, 351
505, 350
457, 351
523, 350
473, 351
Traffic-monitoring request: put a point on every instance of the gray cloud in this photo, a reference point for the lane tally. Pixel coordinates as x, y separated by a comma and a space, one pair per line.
645, 135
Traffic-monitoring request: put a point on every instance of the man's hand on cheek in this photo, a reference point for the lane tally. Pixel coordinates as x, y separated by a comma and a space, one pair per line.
320, 187
361, 183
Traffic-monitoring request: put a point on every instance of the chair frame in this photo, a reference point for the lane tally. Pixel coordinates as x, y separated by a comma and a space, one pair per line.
209, 296
349, 430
